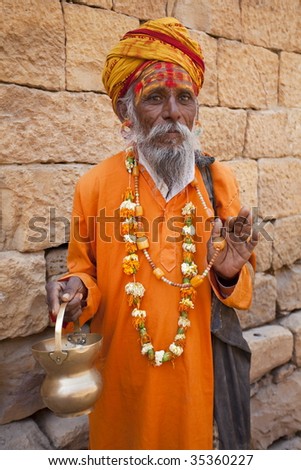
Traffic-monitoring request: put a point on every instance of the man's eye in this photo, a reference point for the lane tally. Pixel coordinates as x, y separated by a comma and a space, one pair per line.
155, 98
185, 97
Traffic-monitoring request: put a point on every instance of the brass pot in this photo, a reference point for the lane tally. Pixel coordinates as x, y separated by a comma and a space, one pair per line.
72, 383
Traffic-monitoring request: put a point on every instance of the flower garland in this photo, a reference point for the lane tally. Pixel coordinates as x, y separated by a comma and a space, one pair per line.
135, 241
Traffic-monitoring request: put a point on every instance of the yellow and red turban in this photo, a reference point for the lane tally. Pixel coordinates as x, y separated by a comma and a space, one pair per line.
161, 40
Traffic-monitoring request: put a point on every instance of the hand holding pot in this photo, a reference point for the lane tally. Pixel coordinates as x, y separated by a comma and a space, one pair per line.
73, 291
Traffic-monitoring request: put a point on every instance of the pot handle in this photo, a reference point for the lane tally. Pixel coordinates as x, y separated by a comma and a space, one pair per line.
59, 326
58, 356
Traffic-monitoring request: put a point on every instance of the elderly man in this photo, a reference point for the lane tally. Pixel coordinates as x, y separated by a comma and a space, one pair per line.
147, 286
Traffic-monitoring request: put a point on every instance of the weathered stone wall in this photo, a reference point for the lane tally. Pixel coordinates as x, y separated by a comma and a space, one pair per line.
57, 122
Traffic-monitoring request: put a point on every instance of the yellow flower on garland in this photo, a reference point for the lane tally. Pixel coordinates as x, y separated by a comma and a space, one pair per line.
190, 293
128, 195
127, 227
130, 243
131, 247
130, 264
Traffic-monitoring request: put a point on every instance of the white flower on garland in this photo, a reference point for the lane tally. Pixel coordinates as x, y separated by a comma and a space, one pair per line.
188, 230
135, 288
184, 322
188, 209
129, 238
180, 336
127, 204
128, 221
190, 247
189, 269
159, 357
146, 347
138, 313
176, 350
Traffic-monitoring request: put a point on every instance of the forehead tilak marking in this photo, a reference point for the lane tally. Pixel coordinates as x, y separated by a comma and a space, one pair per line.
163, 74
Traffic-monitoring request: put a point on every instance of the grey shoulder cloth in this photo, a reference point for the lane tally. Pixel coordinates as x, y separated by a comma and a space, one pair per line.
231, 359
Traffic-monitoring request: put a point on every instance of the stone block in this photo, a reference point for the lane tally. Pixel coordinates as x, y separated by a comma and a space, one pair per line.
23, 435
96, 3
274, 24
290, 79
246, 175
293, 323
56, 263
279, 187
263, 307
33, 47
247, 75
91, 33
142, 9
223, 131
66, 434
290, 443
282, 373
288, 288
217, 17
35, 218
287, 241
294, 132
20, 378
208, 93
264, 248
39, 126
22, 294
271, 342
266, 134
276, 411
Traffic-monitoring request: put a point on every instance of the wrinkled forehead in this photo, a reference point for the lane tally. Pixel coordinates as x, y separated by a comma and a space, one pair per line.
163, 74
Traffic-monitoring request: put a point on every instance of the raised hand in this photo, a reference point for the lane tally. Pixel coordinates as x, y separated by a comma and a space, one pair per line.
241, 239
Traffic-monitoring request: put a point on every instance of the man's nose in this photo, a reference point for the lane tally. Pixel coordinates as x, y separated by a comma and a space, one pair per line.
171, 110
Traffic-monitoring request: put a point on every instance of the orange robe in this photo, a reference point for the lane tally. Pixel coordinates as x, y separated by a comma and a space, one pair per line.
142, 406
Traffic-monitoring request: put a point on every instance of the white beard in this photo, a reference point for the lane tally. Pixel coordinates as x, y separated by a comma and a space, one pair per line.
172, 161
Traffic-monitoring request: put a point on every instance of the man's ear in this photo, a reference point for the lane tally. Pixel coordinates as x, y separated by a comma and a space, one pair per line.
121, 110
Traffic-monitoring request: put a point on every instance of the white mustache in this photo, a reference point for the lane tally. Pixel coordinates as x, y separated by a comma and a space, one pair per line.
164, 128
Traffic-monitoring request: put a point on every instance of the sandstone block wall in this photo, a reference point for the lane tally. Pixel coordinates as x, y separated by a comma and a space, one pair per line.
57, 122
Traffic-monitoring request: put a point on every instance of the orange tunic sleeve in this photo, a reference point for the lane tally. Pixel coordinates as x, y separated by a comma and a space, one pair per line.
226, 192
81, 251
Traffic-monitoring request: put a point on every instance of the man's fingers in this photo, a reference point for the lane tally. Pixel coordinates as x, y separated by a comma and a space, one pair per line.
217, 227
228, 225
253, 238
244, 213
73, 314
74, 308
72, 291
239, 228
73, 286
243, 223
73, 304
53, 290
